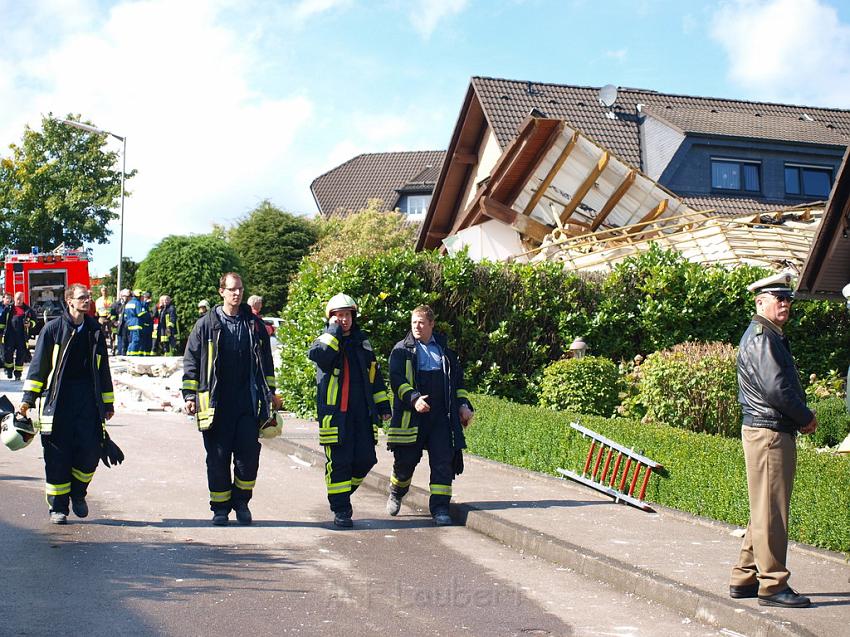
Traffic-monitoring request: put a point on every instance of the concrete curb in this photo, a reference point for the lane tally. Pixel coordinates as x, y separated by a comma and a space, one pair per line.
702, 606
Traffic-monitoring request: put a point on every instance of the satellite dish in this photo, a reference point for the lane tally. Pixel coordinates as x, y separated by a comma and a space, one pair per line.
608, 95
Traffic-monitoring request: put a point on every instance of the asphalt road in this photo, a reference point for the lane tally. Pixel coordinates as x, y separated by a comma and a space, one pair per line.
148, 562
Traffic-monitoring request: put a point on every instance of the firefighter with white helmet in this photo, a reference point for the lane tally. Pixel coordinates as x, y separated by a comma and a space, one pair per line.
351, 401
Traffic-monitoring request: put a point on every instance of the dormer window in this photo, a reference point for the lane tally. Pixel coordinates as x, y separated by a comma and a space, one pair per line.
808, 181
742, 175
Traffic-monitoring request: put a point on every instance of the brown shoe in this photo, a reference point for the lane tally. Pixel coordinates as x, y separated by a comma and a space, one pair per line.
789, 598
747, 591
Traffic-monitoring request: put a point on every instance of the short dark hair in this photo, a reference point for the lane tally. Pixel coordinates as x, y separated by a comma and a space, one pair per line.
425, 310
222, 282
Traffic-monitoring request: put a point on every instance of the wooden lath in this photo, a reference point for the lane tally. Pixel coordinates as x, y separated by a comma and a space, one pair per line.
614, 199
585, 187
547, 181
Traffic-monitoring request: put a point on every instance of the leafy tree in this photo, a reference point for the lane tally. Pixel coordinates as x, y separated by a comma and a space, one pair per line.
58, 186
128, 276
366, 233
270, 244
187, 268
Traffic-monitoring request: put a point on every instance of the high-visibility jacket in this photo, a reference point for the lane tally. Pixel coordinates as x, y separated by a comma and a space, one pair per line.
326, 353
44, 378
135, 311
201, 374
102, 306
404, 426
167, 326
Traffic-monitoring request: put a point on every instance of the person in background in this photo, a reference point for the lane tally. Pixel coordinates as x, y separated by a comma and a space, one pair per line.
117, 314
203, 307
256, 303
774, 412
167, 326
19, 320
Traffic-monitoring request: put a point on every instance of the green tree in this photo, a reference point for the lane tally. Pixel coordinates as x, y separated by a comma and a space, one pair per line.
187, 268
366, 233
58, 186
128, 276
270, 244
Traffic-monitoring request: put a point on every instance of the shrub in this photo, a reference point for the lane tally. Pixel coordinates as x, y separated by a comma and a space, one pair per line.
706, 474
586, 385
830, 386
692, 386
833, 422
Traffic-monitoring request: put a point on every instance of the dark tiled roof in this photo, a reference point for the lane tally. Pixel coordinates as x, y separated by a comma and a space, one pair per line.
507, 102
351, 185
733, 206
750, 125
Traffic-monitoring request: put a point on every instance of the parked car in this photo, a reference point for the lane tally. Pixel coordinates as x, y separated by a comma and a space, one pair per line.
275, 322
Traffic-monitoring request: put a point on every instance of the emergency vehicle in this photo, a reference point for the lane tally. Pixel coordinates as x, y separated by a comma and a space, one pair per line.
43, 277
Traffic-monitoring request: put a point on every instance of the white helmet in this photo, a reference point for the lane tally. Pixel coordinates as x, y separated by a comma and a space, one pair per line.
273, 427
340, 302
16, 431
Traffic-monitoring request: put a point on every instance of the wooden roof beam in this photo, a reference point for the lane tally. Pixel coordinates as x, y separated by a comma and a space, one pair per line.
585, 187
547, 181
651, 216
526, 226
613, 200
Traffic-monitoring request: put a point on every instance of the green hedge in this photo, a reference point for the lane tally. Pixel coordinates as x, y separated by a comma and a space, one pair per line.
588, 385
706, 473
508, 321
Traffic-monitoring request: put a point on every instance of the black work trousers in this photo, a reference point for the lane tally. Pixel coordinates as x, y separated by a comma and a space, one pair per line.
233, 437
435, 435
72, 449
15, 354
349, 461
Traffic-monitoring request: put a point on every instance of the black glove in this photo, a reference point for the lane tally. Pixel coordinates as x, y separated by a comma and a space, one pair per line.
457, 462
110, 452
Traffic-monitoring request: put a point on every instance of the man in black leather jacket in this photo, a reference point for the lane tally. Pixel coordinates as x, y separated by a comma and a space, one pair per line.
774, 408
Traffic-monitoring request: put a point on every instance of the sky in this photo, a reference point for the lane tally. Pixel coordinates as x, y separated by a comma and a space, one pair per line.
226, 103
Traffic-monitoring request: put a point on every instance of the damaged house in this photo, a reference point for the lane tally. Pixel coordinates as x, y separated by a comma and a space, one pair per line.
589, 176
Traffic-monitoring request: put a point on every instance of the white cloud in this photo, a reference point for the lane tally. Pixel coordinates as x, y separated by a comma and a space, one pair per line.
786, 50
305, 9
178, 83
619, 54
425, 15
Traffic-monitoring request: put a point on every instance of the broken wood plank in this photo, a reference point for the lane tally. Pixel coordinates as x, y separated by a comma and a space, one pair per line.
526, 226
547, 181
585, 187
614, 199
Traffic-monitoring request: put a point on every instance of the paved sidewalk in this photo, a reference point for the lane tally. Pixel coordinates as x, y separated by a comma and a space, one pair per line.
670, 557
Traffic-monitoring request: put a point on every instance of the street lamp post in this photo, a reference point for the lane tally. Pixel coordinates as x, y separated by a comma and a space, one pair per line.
123, 140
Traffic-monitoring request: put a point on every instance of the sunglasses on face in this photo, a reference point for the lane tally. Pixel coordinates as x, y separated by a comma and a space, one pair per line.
782, 298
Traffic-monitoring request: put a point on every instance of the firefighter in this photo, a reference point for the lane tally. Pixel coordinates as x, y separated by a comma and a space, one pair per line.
19, 318
167, 327
134, 311
430, 411
5, 308
103, 310
146, 319
228, 383
117, 315
75, 398
351, 400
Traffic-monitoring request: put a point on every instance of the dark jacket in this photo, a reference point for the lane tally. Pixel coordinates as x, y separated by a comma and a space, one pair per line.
769, 388
47, 368
404, 427
326, 353
17, 324
200, 373
167, 325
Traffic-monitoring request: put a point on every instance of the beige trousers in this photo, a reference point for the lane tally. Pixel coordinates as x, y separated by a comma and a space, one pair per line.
771, 459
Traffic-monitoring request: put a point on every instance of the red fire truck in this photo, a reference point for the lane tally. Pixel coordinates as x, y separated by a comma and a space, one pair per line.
43, 277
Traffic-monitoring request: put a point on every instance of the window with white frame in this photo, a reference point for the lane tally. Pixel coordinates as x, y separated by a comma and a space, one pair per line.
418, 204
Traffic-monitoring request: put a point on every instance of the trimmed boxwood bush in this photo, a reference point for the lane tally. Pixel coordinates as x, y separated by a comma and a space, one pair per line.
833, 422
693, 386
587, 385
706, 473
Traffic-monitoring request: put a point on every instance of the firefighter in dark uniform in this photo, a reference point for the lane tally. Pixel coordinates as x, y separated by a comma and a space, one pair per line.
15, 337
351, 400
431, 409
69, 377
146, 320
166, 329
774, 411
228, 383
5, 308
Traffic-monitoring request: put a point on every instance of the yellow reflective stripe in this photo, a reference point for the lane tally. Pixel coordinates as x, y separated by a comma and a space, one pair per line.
98, 360
380, 397
219, 496
339, 487
190, 385
399, 483
396, 435
373, 369
403, 389
333, 389
82, 477
209, 362
462, 393
330, 340
356, 482
108, 397
57, 489
441, 489
245, 485
33, 386
134, 327
408, 371
405, 419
